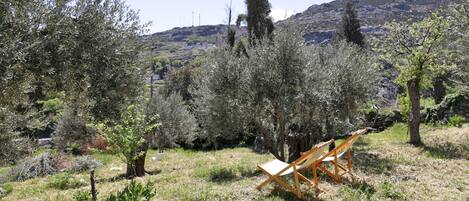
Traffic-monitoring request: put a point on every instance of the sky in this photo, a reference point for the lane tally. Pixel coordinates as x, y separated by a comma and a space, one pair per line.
167, 14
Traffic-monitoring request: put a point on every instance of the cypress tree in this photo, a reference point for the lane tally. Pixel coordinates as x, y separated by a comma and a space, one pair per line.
349, 30
258, 20
231, 34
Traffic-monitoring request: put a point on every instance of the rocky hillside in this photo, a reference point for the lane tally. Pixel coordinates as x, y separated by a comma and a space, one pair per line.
318, 21
184, 43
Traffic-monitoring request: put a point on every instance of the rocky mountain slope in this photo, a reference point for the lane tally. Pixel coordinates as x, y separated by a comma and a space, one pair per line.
318, 22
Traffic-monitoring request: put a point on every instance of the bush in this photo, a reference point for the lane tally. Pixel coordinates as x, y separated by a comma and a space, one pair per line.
83, 196
5, 189
456, 121
12, 147
72, 131
65, 181
85, 163
134, 191
32, 167
178, 125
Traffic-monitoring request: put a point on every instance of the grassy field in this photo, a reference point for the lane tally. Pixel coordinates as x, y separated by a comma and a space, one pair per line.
389, 169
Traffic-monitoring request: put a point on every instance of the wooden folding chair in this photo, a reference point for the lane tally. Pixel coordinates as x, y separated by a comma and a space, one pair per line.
276, 169
333, 156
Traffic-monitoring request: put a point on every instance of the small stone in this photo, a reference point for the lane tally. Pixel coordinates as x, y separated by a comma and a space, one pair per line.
3, 192
116, 168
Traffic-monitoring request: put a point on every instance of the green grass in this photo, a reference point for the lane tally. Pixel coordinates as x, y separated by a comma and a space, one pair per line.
389, 168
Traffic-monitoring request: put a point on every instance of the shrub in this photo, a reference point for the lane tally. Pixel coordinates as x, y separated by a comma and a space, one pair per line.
5, 189
33, 167
456, 121
129, 138
134, 191
72, 131
83, 196
65, 181
12, 147
84, 163
178, 125
219, 98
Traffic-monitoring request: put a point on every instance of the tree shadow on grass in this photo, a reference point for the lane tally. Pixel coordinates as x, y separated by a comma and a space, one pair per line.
448, 151
371, 163
124, 176
357, 190
282, 194
112, 179
361, 145
359, 184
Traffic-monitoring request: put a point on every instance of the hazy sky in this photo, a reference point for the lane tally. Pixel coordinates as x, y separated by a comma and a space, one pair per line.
167, 14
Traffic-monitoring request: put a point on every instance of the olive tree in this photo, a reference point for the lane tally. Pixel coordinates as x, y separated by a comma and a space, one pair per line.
20, 25
282, 88
220, 97
276, 71
457, 42
129, 137
178, 125
343, 76
414, 50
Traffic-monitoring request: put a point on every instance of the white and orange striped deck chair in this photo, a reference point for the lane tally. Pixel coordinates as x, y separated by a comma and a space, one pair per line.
276, 169
334, 155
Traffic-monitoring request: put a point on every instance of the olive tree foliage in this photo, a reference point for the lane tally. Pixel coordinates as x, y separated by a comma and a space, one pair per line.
415, 49
72, 129
457, 42
283, 84
178, 126
342, 78
129, 137
276, 73
20, 24
93, 48
219, 97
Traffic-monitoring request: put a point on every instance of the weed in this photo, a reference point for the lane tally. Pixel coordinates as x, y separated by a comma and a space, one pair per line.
83, 196
390, 191
5, 189
357, 191
134, 191
64, 181
456, 121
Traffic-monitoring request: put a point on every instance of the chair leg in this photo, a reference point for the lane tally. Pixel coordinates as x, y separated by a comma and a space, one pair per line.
315, 175
349, 161
336, 168
297, 183
267, 181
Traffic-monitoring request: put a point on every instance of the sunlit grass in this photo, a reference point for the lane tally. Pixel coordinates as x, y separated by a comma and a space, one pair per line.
389, 168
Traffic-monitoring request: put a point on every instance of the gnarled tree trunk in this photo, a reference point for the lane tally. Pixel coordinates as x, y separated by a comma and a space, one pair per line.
439, 89
298, 141
330, 133
414, 116
136, 168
